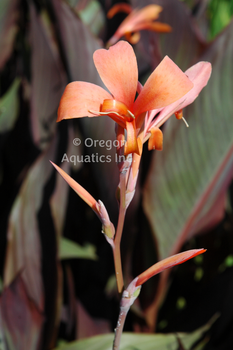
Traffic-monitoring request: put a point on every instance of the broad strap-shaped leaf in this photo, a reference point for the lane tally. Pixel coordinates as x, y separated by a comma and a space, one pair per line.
48, 82
89, 326
78, 43
187, 179
21, 320
140, 341
23, 238
79, 46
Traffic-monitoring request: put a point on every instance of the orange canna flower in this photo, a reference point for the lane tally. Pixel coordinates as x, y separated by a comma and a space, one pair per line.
138, 19
118, 70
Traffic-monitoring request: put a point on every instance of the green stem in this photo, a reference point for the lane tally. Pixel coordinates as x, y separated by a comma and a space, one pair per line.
117, 239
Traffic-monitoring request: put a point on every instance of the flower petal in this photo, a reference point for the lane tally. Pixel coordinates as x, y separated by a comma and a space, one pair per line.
137, 20
117, 68
120, 7
147, 13
164, 86
153, 26
131, 145
80, 97
199, 74
167, 263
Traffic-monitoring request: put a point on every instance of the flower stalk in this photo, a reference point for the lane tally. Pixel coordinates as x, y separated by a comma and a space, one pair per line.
139, 111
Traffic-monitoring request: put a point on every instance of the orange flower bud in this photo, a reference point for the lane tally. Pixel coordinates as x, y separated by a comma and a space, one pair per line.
156, 139
179, 114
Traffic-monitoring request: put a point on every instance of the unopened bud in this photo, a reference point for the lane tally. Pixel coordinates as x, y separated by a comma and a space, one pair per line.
130, 295
107, 226
156, 139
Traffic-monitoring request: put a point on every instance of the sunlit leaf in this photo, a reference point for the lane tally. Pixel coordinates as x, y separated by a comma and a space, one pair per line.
9, 106
92, 15
72, 250
139, 341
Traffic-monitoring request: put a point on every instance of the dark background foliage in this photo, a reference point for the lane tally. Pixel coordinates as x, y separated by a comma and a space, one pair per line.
52, 294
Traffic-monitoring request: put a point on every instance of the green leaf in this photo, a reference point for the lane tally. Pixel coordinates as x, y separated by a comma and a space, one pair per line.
72, 250
130, 341
220, 13
9, 106
92, 15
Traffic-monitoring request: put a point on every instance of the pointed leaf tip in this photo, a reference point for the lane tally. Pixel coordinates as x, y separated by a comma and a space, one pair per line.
77, 188
167, 263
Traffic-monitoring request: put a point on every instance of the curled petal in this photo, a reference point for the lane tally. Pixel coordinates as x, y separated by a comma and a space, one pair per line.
199, 74
120, 7
113, 106
156, 139
146, 14
80, 97
164, 86
118, 69
131, 145
167, 263
107, 226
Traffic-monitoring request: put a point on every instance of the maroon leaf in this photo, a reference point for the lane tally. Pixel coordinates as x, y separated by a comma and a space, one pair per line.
48, 82
23, 238
183, 45
8, 28
21, 319
187, 181
79, 45
88, 326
